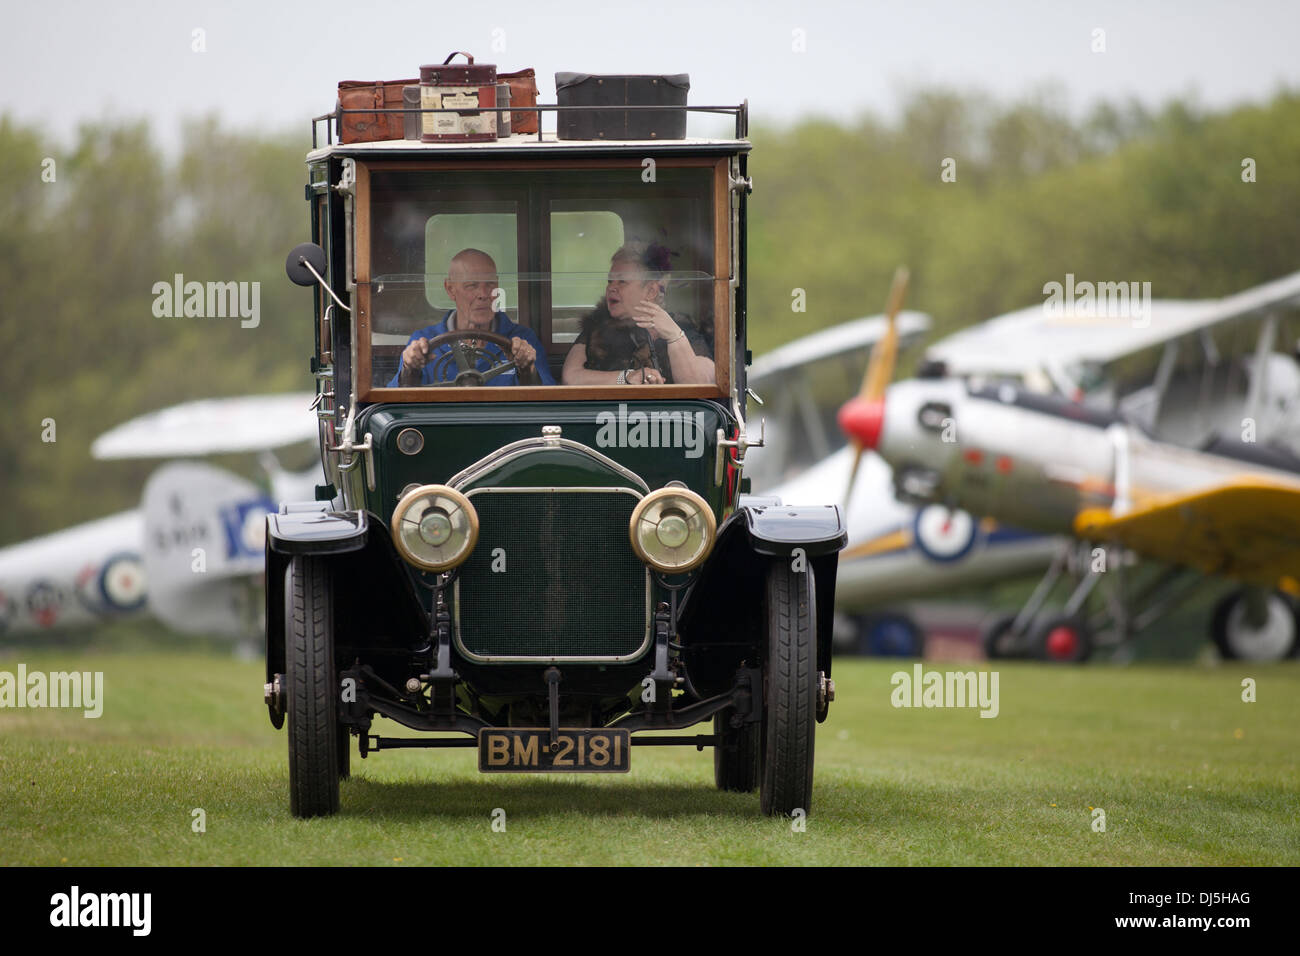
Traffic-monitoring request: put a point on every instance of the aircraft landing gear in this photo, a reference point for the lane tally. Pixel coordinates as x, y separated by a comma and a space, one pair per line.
890, 635
1061, 635
999, 638
1056, 638
1249, 624
1071, 633
1065, 639
1255, 625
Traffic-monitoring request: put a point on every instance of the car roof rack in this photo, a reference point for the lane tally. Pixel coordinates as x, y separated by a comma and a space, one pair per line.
740, 113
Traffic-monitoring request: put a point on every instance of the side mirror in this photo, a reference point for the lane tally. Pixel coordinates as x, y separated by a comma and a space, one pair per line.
306, 264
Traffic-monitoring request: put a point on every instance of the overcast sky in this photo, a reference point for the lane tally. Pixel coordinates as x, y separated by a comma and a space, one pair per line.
269, 63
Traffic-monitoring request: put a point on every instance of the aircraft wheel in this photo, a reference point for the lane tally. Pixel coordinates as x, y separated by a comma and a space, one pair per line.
789, 691
1063, 639
1238, 640
997, 640
314, 731
892, 635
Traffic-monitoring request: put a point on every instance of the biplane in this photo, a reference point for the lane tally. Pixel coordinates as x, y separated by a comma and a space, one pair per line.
192, 554
1172, 439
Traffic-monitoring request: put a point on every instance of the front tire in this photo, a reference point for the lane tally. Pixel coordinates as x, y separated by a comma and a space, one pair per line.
735, 756
344, 742
789, 691
314, 731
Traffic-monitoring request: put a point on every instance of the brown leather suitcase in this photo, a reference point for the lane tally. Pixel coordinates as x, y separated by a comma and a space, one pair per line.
523, 92
357, 97
462, 87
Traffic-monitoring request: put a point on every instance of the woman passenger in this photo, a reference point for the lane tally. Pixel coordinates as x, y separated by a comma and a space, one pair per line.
629, 339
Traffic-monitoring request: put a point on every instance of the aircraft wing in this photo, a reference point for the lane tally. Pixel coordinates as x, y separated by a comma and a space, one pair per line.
1022, 341
803, 383
1248, 529
213, 426
845, 337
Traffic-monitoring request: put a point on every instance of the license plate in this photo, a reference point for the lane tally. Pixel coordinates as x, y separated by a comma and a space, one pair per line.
528, 750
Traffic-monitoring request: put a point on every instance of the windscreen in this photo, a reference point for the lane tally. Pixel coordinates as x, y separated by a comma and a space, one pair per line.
565, 277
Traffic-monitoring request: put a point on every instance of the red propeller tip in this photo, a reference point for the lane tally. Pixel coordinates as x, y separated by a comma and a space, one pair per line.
863, 419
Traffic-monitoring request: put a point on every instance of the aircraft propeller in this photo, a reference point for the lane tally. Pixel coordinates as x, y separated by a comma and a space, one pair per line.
861, 417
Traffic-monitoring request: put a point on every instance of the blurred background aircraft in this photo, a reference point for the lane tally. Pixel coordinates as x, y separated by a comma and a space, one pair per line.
1190, 372
991, 151
897, 551
192, 555
1169, 436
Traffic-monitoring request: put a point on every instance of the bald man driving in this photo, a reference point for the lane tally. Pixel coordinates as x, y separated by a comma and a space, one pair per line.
470, 283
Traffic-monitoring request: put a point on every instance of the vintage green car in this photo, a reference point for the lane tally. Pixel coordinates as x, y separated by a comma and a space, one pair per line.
532, 538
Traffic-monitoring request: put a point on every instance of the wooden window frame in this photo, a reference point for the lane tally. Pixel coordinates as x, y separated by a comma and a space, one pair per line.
722, 313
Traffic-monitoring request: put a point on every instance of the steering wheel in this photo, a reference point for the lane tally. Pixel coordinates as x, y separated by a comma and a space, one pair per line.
468, 356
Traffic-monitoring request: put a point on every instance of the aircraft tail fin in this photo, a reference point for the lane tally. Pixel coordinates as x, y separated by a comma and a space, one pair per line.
204, 549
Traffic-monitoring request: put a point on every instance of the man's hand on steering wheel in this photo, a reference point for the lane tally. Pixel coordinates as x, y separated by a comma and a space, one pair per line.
466, 352
414, 357
523, 354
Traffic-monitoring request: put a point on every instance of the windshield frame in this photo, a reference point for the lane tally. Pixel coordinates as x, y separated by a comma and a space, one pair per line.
723, 286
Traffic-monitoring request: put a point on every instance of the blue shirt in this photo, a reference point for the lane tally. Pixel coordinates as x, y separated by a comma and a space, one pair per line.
501, 325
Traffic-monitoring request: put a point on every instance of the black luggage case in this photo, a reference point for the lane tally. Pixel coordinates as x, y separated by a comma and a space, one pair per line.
585, 89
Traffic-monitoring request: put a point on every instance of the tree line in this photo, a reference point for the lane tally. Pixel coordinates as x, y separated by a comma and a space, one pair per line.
985, 201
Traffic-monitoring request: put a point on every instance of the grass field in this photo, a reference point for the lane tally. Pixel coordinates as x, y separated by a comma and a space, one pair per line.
1186, 772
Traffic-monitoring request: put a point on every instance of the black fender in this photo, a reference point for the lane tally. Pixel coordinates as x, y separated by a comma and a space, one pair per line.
776, 529
724, 602
375, 600
311, 528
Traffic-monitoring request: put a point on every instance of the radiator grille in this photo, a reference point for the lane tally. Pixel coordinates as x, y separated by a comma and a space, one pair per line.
572, 586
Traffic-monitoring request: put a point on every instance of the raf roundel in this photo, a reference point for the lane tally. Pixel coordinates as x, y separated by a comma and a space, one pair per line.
122, 582
944, 534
